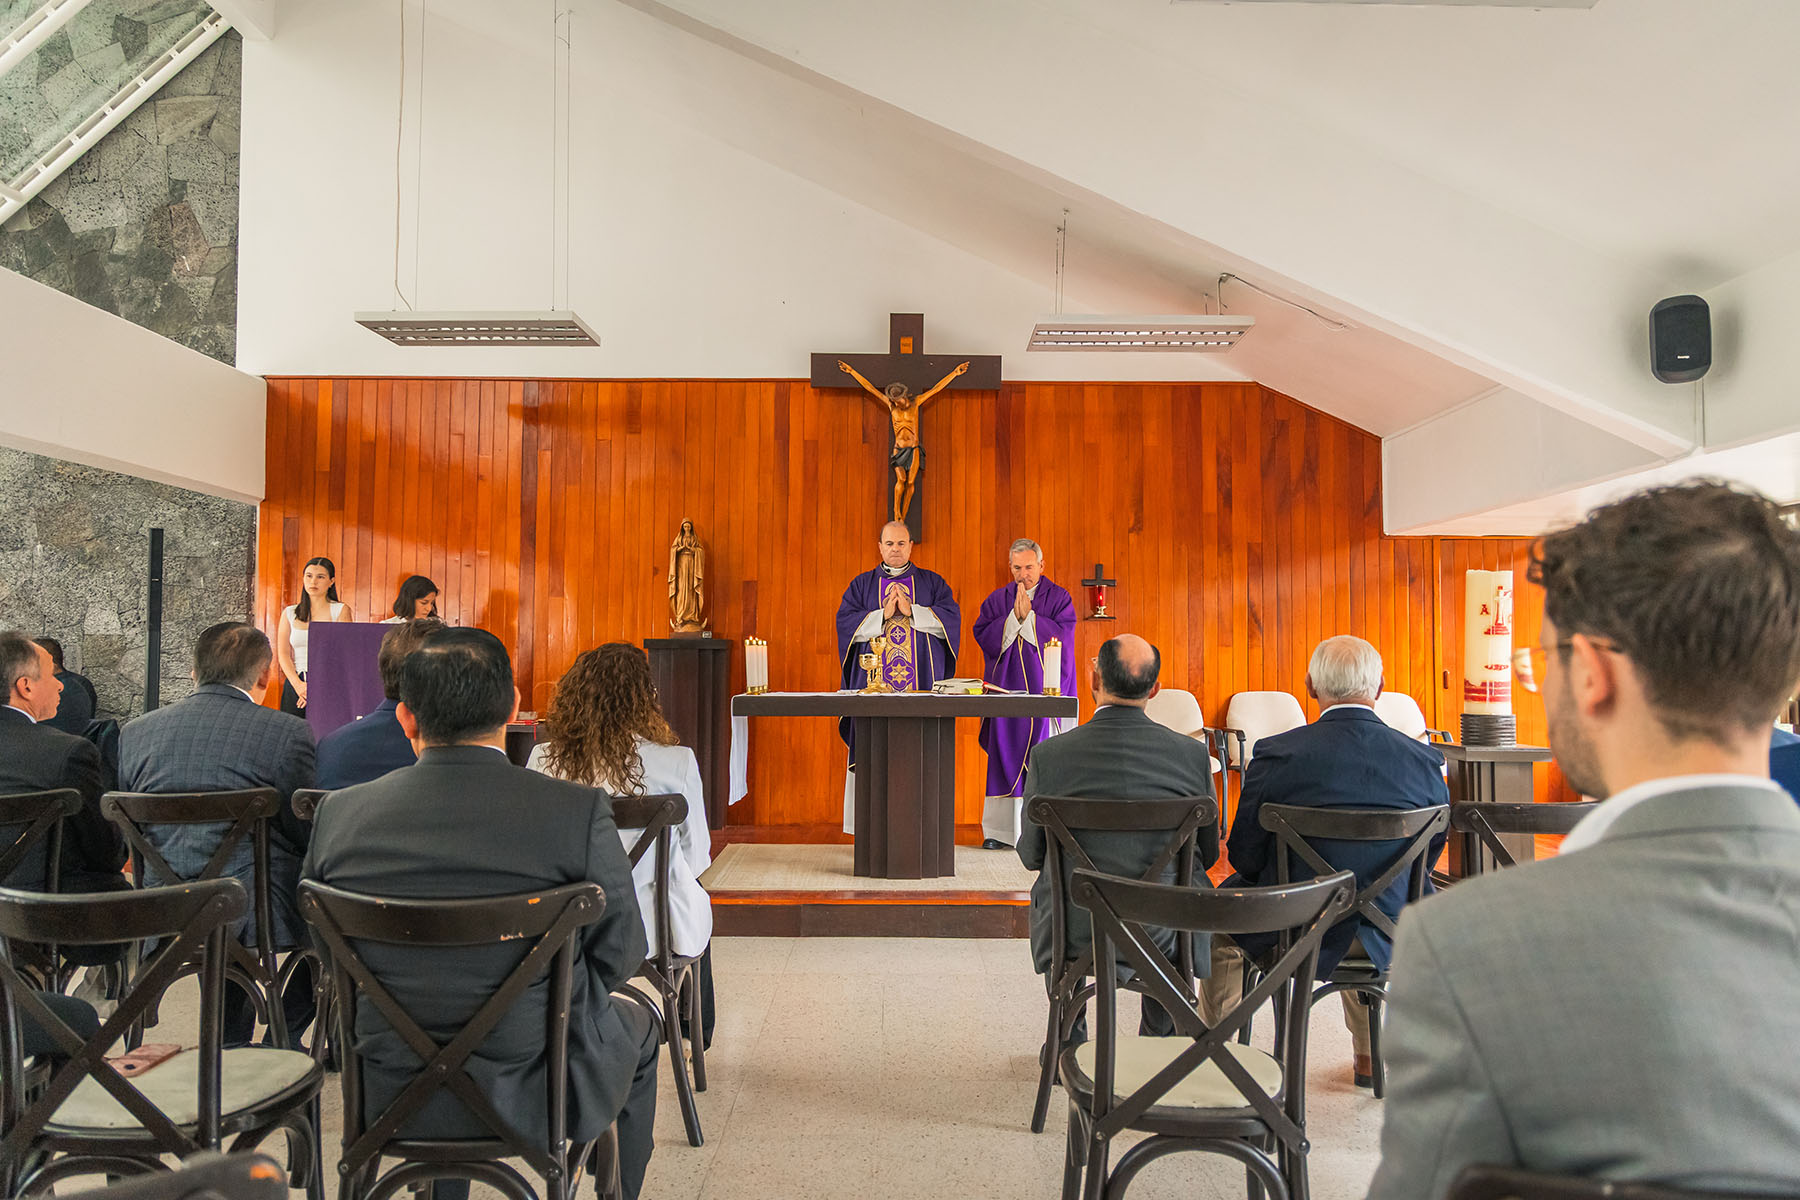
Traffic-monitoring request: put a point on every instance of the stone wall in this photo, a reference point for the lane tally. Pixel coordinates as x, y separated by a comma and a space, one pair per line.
145, 224
74, 564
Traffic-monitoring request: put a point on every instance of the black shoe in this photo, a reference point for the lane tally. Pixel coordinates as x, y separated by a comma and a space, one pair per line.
995, 844
1362, 1074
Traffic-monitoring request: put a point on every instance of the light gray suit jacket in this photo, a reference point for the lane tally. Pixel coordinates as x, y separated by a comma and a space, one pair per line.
1628, 1011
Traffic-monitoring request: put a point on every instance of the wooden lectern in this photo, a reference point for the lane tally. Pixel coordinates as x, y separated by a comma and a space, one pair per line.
693, 682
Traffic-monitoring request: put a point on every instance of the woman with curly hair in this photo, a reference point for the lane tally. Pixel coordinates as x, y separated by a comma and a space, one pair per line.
606, 729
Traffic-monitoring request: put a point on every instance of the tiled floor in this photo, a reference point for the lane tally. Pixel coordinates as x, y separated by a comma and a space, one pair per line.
877, 1068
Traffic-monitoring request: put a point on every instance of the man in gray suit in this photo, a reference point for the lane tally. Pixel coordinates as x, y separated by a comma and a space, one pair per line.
464, 821
1627, 1009
220, 739
1119, 754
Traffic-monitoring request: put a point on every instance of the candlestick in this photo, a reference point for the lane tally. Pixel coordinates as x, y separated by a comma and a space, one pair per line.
756, 666
1053, 667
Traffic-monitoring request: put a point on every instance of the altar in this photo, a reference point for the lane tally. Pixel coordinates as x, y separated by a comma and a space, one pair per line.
906, 766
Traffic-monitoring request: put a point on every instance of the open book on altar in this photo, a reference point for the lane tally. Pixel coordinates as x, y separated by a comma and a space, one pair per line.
968, 687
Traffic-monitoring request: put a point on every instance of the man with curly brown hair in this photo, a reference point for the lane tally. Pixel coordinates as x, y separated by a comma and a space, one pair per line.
1626, 1010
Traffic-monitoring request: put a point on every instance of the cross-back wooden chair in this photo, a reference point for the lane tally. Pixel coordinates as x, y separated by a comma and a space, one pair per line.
1482, 823
88, 1118
205, 1177
1179, 819
1199, 1090
1297, 828
39, 818
1509, 1183
306, 803
545, 927
656, 817
246, 814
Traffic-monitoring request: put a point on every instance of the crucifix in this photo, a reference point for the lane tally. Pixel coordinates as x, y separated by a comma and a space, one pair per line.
1097, 593
901, 381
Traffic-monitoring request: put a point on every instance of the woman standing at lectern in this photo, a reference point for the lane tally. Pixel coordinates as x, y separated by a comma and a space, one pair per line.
318, 602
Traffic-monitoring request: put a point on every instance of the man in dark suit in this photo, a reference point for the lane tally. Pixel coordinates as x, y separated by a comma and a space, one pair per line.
371, 746
220, 739
1119, 754
1348, 758
1784, 761
79, 701
35, 757
464, 821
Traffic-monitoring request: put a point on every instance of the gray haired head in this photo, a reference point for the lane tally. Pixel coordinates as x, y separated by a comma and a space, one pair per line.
1025, 544
1345, 670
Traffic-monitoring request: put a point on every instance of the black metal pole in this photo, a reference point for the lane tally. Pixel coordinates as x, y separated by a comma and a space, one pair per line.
153, 669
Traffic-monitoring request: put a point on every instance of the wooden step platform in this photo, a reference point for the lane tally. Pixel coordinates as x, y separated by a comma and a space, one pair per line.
781, 890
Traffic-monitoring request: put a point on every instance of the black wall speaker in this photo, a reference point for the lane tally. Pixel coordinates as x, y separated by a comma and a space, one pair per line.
1680, 339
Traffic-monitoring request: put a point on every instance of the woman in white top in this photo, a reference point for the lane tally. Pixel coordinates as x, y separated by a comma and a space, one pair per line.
605, 729
417, 599
318, 602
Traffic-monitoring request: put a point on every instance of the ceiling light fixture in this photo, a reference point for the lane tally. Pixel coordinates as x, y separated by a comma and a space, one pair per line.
479, 329
557, 326
1177, 334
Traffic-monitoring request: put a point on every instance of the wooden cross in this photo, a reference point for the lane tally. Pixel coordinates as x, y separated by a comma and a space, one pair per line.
1097, 593
903, 379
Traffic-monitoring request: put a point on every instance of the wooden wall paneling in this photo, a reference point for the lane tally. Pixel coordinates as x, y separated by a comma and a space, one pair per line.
1242, 526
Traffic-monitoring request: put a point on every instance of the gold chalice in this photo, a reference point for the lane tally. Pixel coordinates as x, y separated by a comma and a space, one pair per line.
871, 663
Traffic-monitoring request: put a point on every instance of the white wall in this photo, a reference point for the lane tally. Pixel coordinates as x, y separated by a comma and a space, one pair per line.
696, 251
89, 387
1498, 451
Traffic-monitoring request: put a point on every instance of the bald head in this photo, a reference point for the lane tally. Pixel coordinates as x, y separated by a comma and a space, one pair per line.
896, 544
1128, 669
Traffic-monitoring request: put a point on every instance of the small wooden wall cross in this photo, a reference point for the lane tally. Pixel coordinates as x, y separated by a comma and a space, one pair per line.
1097, 593
902, 380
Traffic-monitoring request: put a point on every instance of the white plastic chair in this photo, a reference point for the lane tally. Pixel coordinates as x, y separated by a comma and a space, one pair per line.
1403, 713
1257, 715
1175, 709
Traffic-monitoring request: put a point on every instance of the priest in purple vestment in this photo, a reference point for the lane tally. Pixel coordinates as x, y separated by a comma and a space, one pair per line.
916, 611
1012, 628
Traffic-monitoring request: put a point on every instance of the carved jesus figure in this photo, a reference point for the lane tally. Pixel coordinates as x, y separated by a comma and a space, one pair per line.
903, 408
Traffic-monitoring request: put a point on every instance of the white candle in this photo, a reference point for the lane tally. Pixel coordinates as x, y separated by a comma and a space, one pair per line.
1052, 667
756, 665
1487, 642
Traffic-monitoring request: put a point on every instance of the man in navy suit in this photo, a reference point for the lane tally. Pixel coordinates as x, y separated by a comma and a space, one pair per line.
371, 746
1348, 758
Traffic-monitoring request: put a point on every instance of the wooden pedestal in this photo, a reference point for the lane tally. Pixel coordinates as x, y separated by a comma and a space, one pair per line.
1495, 774
693, 681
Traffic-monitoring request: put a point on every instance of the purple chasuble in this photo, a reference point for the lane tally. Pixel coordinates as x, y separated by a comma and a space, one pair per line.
915, 661
1020, 668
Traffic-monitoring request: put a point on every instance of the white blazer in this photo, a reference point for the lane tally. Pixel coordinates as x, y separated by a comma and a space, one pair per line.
669, 769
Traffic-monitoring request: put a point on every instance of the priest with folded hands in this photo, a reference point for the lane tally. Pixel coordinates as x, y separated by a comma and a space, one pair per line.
914, 609
1014, 625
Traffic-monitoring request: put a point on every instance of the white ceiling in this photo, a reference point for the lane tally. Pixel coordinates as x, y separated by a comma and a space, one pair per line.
1488, 197
1658, 131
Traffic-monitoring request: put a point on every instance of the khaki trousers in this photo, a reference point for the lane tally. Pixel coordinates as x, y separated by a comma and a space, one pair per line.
1221, 991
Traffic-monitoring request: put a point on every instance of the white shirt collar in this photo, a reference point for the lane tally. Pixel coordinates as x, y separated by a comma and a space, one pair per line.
240, 691
1598, 823
895, 572
1365, 707
22, 712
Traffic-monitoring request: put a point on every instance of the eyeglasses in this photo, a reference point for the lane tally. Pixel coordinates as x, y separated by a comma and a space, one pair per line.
1529, 661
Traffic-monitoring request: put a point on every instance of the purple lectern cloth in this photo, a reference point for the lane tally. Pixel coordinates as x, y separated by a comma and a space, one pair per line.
934, 659
343, 677
1020, 668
